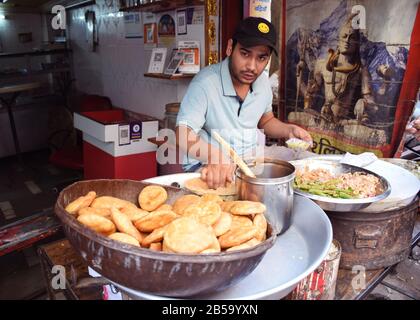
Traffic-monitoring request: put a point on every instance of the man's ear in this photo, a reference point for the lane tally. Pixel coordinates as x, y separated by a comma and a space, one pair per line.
229, 48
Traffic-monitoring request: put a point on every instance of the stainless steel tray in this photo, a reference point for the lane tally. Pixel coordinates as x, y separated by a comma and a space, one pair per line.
296, 254
335, 167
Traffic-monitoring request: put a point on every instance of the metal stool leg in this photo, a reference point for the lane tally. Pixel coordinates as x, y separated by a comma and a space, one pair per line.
9, 105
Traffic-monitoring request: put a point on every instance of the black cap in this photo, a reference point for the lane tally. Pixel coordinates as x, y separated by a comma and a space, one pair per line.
254, 31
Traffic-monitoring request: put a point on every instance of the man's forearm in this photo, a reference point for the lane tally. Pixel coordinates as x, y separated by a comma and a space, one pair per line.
277, 129
192, 144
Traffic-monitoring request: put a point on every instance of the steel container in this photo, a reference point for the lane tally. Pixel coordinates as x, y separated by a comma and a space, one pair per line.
374, 240
272, 186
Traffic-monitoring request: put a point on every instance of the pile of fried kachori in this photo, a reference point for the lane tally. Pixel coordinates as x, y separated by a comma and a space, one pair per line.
192, 225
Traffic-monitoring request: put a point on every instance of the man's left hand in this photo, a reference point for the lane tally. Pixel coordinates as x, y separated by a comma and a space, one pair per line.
300, 133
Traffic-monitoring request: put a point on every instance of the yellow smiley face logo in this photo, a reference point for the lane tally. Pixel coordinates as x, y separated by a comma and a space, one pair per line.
264, 28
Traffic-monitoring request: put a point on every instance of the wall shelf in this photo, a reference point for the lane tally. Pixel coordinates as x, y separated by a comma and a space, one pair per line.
34, 53
164, 5
18, 75
169, 77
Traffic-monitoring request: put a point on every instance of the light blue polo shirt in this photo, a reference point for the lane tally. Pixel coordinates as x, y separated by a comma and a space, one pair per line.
211, 103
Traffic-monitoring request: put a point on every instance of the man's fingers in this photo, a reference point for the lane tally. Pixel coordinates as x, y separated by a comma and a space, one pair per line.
204, 174
209, 179
233, 168
228, 178
216, 178
220, 178
230, 173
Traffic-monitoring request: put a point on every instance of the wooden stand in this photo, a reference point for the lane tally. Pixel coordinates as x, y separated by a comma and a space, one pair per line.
163, 5
169, 77
79, 285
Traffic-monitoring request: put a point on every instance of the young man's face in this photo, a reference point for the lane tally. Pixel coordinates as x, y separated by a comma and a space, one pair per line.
246, 64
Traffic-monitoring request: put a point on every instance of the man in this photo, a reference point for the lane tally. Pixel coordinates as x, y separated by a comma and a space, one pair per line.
235, 98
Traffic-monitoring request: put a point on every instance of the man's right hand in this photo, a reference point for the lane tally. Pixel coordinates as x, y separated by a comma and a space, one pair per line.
217, 175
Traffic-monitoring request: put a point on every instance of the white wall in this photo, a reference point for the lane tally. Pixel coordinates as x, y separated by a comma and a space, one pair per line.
31, 120
116, 69
10, 28
20, 23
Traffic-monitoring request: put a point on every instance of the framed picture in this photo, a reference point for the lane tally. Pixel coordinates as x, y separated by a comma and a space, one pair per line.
157, 60
182, 22
133, 25
174, 63
191, 62
150, 33
166, 27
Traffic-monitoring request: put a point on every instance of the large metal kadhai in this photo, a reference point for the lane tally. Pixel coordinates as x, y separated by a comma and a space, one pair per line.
336, 168
296, 253
149, 271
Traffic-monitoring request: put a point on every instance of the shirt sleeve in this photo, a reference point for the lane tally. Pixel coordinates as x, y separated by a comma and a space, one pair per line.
193, 108
269, 107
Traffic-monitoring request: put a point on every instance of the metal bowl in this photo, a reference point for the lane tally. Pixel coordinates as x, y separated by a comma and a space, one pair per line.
336, 168
159, 273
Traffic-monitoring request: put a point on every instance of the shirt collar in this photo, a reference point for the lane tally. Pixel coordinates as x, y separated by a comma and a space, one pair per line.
227, 84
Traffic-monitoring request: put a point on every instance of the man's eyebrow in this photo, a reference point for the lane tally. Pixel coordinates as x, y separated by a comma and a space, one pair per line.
264, 54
